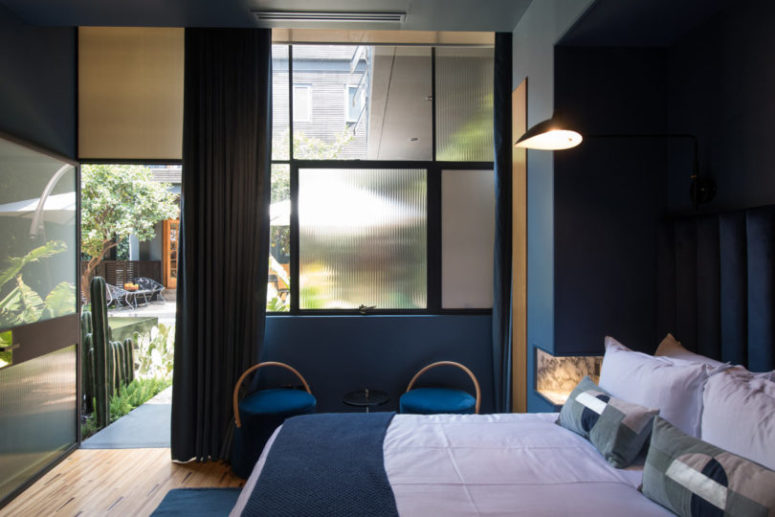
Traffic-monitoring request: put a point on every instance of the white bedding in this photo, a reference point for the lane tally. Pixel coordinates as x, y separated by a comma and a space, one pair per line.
504, 464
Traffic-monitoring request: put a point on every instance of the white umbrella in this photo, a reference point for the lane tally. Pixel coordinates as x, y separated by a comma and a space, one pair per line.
56, 208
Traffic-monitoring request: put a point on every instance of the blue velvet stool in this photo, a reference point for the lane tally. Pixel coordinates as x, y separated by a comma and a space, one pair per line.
258, 414
428, 401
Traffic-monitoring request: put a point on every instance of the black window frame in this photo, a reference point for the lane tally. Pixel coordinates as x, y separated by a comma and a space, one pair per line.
433, 170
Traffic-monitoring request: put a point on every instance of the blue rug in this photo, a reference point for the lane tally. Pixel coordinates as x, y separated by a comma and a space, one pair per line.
211, 502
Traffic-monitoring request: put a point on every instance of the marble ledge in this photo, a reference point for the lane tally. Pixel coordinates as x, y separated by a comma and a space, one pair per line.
556, 376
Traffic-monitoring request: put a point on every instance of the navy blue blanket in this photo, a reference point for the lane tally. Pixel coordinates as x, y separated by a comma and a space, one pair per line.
326, 465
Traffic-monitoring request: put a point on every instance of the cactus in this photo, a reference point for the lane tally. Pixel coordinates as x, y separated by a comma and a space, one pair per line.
86, 324
87, 362
87, 373
129, 345
108, 365
120, 366
114, 372
101, 348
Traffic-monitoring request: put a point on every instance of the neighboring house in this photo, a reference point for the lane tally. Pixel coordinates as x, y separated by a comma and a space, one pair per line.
331, 91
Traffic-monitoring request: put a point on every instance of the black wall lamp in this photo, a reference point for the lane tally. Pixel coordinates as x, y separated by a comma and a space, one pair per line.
556, 134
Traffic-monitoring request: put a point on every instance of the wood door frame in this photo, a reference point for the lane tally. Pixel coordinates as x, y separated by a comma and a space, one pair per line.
519, 252
168, 281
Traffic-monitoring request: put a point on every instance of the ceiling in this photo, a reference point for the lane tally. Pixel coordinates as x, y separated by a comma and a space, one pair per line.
431, 15
639, 23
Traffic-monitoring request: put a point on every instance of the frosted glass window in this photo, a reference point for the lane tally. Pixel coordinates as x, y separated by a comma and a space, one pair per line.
280, 105
37, 415
278, 291
362, 238
387, 108
130, 92
38, 235
464, 104
467, 238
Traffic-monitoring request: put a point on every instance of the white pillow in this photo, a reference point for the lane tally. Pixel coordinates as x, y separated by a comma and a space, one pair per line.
674, 386
739, 415
671, 347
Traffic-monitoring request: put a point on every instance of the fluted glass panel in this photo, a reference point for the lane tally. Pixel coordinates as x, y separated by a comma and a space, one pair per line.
363, 238
278, 295
280, 126
37, 415
467, 238
464, 104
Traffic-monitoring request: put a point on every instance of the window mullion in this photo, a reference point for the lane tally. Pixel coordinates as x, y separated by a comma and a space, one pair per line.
294, 231
434, 238
433, 104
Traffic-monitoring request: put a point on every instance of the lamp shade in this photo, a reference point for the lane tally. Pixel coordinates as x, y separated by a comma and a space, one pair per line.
550, 135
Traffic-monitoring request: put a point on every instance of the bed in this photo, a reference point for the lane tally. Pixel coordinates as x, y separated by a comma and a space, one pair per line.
663, 420
507, 464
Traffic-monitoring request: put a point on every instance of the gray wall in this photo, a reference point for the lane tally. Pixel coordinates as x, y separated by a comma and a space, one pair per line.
541, 26
38, 83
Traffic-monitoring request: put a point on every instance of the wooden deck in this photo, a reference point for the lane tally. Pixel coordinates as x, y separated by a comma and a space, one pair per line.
115, 482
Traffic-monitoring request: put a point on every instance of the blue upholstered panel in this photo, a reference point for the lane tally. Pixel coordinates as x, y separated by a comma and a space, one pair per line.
723, 271
428, 401
686, 281
761, 288
734, 289
708, 287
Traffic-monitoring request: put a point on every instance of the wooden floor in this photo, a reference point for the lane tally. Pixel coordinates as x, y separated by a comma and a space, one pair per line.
124, 482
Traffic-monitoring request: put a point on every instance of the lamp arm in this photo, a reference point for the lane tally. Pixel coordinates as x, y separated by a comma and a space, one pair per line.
702, 190
693, 138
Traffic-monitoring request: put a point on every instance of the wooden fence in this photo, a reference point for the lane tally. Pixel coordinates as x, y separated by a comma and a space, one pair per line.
117, 272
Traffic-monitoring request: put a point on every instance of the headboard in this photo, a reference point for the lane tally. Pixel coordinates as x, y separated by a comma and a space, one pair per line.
716, 290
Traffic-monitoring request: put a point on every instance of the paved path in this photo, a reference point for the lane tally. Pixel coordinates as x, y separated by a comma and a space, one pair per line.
146, 427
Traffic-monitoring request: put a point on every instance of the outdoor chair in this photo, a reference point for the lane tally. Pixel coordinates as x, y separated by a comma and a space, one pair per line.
117, 296
428, 401
258, 414
149, 284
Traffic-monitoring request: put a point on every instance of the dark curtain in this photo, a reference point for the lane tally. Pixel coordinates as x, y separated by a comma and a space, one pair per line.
501, 304
223, 256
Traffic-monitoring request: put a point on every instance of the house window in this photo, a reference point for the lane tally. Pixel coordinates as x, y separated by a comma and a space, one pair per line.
302, 103
390, 211
355, 101
362, 238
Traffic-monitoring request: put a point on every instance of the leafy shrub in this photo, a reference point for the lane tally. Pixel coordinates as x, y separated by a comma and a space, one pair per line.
134, 395
156, 352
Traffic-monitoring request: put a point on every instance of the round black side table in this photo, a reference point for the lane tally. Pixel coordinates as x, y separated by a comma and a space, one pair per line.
366, 398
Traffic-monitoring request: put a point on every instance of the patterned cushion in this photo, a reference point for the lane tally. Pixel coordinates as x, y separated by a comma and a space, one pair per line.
616, 428
693, 478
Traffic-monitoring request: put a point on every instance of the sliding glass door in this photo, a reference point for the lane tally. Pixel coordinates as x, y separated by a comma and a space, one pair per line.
39, 325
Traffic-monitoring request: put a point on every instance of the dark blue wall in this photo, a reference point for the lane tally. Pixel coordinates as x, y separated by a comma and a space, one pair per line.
609, 196
338, 354
38, 84
722, 88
